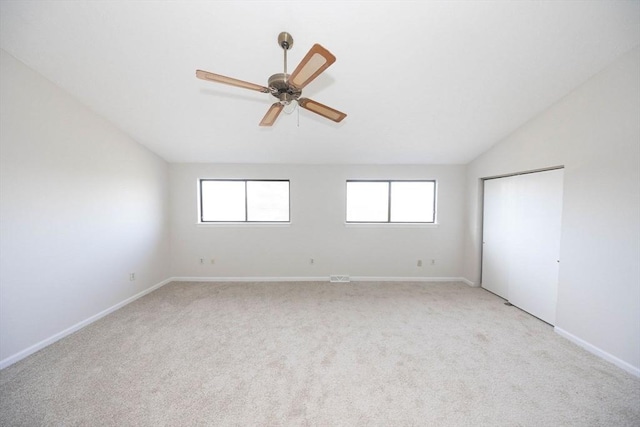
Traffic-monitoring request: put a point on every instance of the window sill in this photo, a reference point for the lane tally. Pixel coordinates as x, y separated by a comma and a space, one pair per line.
241, 224
390, 225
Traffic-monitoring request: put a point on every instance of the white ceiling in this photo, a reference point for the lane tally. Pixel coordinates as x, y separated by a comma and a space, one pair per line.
421, 82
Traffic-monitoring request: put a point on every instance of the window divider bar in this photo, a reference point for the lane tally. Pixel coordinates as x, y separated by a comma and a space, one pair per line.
433, 218
389, 202
246, 202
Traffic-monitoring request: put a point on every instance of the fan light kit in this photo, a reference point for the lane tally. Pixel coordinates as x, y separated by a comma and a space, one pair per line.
287, 88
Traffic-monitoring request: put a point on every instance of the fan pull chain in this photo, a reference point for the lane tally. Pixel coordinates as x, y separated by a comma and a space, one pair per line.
298, 108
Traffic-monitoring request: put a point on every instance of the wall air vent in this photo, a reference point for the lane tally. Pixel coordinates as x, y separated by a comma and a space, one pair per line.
339, 279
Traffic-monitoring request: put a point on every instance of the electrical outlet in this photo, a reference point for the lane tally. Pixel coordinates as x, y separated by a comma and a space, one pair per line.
419, 263
132, 277
201, 260
433, 262
312, 261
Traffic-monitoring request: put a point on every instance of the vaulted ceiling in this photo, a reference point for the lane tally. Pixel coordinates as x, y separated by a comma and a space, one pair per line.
434, 82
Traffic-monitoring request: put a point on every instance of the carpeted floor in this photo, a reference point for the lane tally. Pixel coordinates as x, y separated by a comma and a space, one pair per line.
317, 354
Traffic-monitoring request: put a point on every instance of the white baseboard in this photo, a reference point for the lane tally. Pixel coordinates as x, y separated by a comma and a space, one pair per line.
469, 282
406, 279
598, 352
250, 279
321, 279
48, 341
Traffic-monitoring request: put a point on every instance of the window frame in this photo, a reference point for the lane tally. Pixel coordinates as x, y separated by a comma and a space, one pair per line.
389, 196
246, 201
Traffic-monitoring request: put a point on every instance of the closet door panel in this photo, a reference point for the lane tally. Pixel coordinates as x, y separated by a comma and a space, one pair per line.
495, 237
536, 221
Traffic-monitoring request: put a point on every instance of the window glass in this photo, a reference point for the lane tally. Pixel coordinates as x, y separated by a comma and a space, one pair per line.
412, 201
367, 201
223, 200
268, 201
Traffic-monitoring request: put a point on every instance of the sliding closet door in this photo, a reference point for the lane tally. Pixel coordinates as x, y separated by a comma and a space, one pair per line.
527, 242
495, 237
536, 248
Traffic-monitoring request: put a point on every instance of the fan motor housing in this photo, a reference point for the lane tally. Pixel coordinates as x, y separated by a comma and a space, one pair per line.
283, 90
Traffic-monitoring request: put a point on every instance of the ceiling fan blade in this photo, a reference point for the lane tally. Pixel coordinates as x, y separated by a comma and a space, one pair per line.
315, 62
205, 75
271, 116
323, 110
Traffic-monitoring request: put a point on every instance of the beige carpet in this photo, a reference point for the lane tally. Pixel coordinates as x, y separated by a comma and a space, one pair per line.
317, 354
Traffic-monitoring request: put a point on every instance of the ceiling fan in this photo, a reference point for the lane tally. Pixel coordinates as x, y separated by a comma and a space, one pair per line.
288, 88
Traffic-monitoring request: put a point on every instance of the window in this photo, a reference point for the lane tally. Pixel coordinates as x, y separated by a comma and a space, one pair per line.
391, 201
233, 200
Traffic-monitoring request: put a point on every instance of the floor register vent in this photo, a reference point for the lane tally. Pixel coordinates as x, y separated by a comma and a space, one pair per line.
339, 279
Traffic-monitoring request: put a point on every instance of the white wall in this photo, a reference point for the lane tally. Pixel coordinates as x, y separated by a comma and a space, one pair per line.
595, 133
82, 206
317, 227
